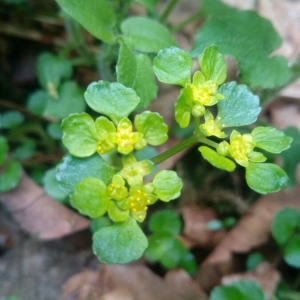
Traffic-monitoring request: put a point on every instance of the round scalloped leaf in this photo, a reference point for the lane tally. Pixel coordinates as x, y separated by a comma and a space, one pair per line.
217, 160
167, 185
119, 243
271, 139
166, 221
285, 224
152, 126
292, 252
51, 70
240, 106
173, 65
80, 135
111, 99
213, 64
147, 35
165, 248
11, 118
73, 169
3, 149
90, 197
70, 100
265, 178
239, 290
10, 177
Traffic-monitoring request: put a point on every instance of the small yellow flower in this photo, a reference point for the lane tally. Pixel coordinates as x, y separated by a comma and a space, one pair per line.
206, 93
125, 138
241, 147
211, 127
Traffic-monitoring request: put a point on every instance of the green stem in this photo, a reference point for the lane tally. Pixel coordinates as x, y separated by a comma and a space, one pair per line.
174, 150
168, 10
189, 20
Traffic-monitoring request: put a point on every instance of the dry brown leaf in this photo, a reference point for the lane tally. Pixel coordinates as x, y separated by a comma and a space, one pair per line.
195, 226
253, 229
83, 285
184, 285
39, 214
141, 282
264, 275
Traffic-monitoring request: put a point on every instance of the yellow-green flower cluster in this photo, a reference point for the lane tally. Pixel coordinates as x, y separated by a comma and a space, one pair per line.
240, 149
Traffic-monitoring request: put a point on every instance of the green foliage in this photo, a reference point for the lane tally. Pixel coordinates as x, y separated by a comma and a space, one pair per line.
240, 290
265, 177
164, 247
124, 242
253, 260
173, 65
10, 119
291, 157
248, 38
3, 149
217, 160
97, 17
285, 230
111, 99
51, 71
52, 188
147, 35
10, 177
134, 70
73, 169
240, 106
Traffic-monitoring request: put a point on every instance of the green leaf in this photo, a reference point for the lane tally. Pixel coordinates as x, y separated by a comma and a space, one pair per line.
111, 99
183, 106
213, 64
285, 224
80, 135
217, 160
96, 16
165, 221
10, 177
115, 213
90, 197
72, 170
54, 131
26, 150
188, 262
291, 157
239, 290
3, 149
70, 100
99, 223
240, 106
152, 126
37, 101
52, 187
248, 38
292, 252
147, 35
124, 242
51, 71
253, 260
271, 139
165, 248
167, 185
173, 65
10, 119
134, 70
265, 178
